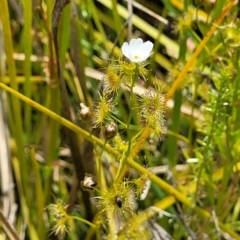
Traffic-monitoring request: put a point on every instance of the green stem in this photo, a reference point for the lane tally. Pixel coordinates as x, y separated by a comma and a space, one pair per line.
119, 121
124, 160
99, 165
84, 221
207, 164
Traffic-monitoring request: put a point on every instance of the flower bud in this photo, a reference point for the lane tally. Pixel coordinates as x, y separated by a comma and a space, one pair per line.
145, 190
85, 112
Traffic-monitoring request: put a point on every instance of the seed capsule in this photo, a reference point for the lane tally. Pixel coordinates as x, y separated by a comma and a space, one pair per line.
110, 131
89, 182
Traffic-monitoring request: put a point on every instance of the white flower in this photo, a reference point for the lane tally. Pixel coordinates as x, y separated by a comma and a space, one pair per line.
137, 51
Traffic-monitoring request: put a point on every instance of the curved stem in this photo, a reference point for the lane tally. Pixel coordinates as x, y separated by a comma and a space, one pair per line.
88, 223
84, 221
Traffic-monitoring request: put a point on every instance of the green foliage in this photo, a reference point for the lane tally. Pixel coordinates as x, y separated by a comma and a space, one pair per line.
156, 135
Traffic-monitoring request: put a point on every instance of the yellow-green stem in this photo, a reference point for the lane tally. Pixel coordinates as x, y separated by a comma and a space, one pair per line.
124, 160
99, 165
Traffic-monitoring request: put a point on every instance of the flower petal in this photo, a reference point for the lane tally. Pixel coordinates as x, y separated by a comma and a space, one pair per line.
147, 47
135, 42
125, 49
137, 51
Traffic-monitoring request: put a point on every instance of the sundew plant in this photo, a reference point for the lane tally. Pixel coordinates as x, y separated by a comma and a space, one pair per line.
119, 119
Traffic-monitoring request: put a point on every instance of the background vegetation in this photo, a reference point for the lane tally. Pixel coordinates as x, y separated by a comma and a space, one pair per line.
54, 57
